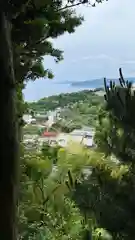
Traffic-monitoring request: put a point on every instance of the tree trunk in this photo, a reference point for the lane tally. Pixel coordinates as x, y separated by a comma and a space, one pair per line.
9, 145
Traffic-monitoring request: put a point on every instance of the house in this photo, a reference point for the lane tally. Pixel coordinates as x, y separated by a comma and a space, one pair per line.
63, 139
84, 137
41, 119
29, 119
49, 137
88, 141
78, 136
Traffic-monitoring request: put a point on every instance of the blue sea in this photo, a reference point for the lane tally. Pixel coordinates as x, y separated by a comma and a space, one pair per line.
37, 90
44, 88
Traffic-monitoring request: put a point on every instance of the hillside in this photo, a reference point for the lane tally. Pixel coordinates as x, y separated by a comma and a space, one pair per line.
75, 109
62, 100
96, 83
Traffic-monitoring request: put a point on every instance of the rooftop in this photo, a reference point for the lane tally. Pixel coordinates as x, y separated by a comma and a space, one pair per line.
81, 132
49, 134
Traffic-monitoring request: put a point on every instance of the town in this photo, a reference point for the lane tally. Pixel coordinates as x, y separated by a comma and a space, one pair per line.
44, 123
62, 119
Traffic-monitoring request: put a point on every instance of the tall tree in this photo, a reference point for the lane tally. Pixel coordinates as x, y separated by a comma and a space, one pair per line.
116, 130
9, 138
116, 135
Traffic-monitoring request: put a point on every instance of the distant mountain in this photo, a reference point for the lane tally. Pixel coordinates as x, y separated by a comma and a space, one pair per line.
94, 83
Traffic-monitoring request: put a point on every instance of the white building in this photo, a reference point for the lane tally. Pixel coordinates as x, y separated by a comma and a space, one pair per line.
79, 136
88, 141
28, 118
83, 136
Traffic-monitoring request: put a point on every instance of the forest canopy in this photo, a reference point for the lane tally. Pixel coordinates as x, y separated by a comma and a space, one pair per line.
65, 99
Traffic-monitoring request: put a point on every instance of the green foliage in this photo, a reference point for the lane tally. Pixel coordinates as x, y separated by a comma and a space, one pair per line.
67, 99
50, 204
105, 194
31, 30
115, 131
45, 209
31, 130
107, 137
115, 136
50, 152
63, 126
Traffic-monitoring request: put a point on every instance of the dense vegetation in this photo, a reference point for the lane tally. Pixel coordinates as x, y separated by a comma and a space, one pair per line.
76, 193
50, 204
65, 99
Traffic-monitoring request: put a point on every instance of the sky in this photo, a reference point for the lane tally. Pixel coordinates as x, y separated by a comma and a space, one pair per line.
103, 43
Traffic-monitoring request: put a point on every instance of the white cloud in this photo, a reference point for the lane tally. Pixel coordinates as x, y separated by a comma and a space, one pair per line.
129, 62
94, 57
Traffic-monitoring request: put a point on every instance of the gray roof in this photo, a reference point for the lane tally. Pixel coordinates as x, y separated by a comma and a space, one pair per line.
81, 132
